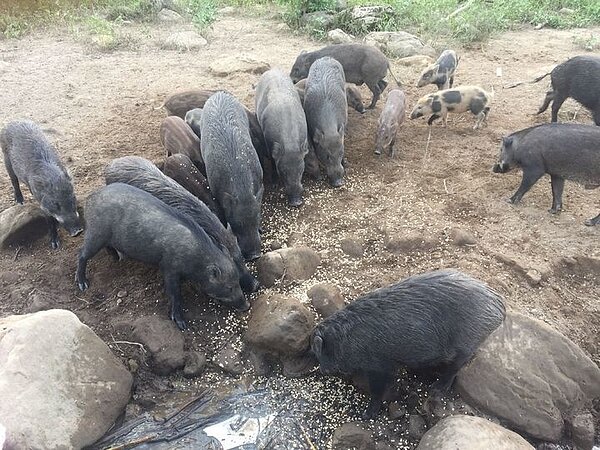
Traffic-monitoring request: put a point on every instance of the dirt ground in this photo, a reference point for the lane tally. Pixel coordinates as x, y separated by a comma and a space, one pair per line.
98, 106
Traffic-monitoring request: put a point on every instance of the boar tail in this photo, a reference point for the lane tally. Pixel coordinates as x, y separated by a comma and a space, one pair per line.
393, 76
535, 80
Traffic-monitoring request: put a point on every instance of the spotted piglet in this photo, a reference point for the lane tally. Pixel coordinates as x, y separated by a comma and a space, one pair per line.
457, 100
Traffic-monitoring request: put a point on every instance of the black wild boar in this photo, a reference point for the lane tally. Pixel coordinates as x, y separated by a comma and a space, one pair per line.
435, 320
140, 226
390, 119
457, 100
326, 111
362, 64
441, 72
233, 169
564, 151
141, 173
578, 78
29, 157
192, 118
177, 137
353, 96
181, 169
283, 122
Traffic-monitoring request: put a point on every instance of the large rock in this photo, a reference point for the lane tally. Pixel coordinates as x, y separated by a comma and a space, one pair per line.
318, 20
22, 223
280, 324
326, 298
287, 265
531, 377
168, 16
184, 40
471, 433
163, 340
366, 18
398, 44
352, 436
60, 386
240, 63
416, 60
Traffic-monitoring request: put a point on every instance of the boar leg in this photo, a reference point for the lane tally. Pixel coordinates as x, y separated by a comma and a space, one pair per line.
451, 83
14, 181
173, 289
378, 381
53, 227
480, 118
558, 184
91, 246
432, 118
547, 99
596, 115
593, 221
376, 94
530, 177
558, 101
392, 147
382, 84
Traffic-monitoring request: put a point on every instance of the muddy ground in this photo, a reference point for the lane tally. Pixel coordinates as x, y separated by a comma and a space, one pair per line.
98, 106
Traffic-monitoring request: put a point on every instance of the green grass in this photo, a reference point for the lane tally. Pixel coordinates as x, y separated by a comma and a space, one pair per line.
202, 12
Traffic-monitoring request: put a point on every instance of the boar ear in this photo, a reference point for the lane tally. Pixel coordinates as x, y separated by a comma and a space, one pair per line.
302, 52
214, 273
318, 345
507, 141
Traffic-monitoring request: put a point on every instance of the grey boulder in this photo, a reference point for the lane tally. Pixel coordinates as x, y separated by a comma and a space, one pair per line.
61, 386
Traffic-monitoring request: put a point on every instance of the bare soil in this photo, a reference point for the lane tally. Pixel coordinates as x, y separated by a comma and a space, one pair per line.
97, 106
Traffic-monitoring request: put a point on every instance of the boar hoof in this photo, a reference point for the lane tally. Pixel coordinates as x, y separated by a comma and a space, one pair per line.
377, 152
592, 222
55, 242
295, 202
371, 412
555, 210
83, 285
179, 321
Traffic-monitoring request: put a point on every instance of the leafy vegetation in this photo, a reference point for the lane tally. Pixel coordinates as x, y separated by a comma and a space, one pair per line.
460, 20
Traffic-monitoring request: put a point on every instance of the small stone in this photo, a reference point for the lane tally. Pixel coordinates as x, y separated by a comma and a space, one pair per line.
462, 237
195, 362
168, 16
416, 426
326, 298
411, 242
582, 430
40, 301
240, 63
8, 277
275, 245
396, 410
337, 36
122, 294
163, 340
260, 362
416, 60
533, 277
566, 11
133, 365
184, 40
229, 360
352, 246
294, 239
287, 265
227, 11
280, 324
352, 436
22, 224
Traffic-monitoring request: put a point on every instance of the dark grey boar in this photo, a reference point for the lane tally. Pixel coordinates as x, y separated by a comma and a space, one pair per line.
578, 78
31, 158
133, 222
177, 137
433, 322
281, 117
564, 151
233, 169
181, 169
362, 64
390, 119
441, 72
457, 100
179, 103
192, 118
353, 96
141, 173
326, 111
